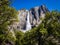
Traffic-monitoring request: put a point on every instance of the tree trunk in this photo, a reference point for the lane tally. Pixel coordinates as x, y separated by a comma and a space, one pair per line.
40, 41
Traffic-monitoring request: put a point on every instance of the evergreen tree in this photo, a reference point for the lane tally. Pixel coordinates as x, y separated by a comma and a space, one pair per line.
7, 16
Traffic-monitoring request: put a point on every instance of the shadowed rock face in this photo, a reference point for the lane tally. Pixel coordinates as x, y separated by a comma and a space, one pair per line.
34, 17
37, 13
22, 19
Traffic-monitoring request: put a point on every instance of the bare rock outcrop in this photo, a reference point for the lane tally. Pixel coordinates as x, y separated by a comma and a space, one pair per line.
35, 15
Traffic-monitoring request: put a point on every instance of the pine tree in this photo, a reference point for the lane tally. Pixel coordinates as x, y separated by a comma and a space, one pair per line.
7, 16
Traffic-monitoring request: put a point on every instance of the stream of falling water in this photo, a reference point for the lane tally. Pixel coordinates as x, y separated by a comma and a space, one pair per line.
28, 25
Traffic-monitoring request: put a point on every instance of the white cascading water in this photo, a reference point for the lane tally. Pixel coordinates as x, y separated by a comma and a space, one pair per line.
28, 25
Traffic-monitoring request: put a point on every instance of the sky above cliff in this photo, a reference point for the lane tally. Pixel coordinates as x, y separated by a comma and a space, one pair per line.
50, 4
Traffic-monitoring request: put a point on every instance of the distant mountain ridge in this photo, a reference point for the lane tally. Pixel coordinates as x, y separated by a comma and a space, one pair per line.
30, 17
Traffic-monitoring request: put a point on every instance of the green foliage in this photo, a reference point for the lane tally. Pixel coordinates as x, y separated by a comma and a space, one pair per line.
47, 33
8, 15
52, 24
19, 37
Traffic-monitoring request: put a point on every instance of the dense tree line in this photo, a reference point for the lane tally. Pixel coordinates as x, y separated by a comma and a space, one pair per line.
47, 33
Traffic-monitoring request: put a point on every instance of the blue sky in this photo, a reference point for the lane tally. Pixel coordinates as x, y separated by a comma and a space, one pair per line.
50, 4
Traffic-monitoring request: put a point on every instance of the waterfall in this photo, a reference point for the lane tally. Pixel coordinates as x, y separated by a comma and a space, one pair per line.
28, 25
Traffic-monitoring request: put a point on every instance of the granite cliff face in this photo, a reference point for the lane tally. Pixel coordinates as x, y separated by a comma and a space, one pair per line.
30, 18
37, 13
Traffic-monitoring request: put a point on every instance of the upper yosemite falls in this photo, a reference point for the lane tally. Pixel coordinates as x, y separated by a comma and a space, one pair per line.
29, 18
